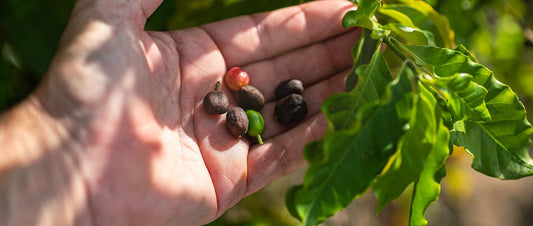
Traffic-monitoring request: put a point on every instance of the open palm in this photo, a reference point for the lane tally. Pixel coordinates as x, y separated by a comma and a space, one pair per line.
131, 102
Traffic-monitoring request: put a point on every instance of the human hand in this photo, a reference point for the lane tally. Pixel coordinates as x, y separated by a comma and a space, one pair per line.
126, 107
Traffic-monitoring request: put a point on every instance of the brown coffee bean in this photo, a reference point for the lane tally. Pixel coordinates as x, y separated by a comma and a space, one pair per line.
216, 102
237, 122
250, 97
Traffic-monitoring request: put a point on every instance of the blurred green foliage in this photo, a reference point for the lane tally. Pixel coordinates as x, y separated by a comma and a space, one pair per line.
29, 32
499, 32
179, 14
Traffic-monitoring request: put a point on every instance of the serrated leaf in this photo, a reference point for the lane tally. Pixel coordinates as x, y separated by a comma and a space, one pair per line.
340, 109
413, 148
500, 147
353, 157
362, 16
424, 17
362, 53
465, 98
427, 187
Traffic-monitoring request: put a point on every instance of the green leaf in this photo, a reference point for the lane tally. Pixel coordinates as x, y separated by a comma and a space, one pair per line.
362, 16
397, 16
290, 201
413, 149
341, 108
411, 35
461, 48
465, 98
318, 154
354, 157
427, 187
497, 151
362, 53
424, 17
500, 147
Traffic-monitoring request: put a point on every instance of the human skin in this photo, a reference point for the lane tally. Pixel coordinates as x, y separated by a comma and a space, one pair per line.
116, 134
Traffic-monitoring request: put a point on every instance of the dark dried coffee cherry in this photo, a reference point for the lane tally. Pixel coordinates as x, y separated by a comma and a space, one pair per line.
237, 122
216, 102
250, 98
289, 86
291, 109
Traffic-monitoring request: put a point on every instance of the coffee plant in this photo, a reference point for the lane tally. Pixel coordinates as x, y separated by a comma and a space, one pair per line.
411, 97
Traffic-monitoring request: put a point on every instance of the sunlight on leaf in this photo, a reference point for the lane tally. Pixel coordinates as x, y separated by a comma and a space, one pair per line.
362, 16
500, 146
424, 17
465, 98
411, 35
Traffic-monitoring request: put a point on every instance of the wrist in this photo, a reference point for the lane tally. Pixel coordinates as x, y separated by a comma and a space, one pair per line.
27, 133
39, 181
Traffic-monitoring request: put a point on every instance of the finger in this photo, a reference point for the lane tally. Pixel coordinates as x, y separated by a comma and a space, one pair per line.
310, 64
247, 39
149, 6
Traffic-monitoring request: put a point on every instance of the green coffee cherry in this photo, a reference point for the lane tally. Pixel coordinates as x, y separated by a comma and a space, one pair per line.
256, 125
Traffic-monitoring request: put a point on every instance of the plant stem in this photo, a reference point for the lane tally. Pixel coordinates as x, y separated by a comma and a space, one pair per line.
259, 140
395, 48
217, 85
393, 44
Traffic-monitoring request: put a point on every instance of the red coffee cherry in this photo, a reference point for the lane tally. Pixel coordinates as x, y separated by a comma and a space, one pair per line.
236, 78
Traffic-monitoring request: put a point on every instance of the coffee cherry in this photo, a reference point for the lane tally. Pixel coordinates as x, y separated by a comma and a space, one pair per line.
216, 102
236, 78
291, 109
256, 125
250, 98
237, 122
289, 86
